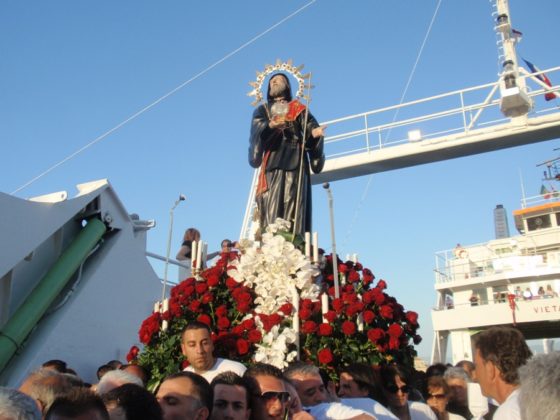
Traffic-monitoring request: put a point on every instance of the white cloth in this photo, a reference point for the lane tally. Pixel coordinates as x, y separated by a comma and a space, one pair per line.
333, 411
509, 410
478, 403
420, 411
221, 365
184, 272
370, 406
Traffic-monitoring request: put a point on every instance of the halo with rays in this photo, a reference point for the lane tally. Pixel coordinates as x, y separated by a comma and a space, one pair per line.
279, 66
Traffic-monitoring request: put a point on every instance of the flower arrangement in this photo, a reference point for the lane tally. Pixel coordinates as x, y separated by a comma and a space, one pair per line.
265, 301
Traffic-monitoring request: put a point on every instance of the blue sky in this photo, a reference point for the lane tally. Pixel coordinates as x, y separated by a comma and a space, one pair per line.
71, 71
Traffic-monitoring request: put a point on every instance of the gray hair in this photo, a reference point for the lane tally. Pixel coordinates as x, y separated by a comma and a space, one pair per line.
45, 385
16, 405
116, 378
456, 373
300, 368
539, 391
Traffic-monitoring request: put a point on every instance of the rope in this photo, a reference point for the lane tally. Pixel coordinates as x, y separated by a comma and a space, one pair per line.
162, 98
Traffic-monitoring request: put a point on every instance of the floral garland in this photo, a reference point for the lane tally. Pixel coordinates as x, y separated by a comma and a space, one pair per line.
249, 301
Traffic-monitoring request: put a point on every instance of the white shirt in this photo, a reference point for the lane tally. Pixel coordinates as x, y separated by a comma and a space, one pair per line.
333, 411
221, 365
369, 406
509, 410
420, 411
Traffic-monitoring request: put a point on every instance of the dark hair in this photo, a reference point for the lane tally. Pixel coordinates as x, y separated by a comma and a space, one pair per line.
102, 370
388, 373
201, 386
233, 379
437, 369
195, 325
137, 402
75, 403
58, 365
115, 364
287, 92
505, 348
435, 382
145, 374
260, 369
364, 377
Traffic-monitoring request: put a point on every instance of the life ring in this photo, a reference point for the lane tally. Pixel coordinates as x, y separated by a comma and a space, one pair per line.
462, 253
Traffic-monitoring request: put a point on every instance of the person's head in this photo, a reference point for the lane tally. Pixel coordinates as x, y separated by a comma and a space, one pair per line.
499, 353
279, 86
269, 398
197, 346
226, 245
539, 391
115, 364
308, 382
185, 396
457, 380
44, 386
394, 386
191, 234
102, 370
16, 405
116, 378
437, 369
138, 371
437, 394
78, 404
295, 405
232, 399
132, 402
56, 365
468, 367
357, 380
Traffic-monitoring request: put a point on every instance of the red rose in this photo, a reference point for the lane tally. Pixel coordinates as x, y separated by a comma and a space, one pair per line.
213, 280
342, 268
207, 298
338, 305
325, 330
369, 316
189, 290
205, 319
254, 336
149, 327
367, 276
348, 328
223, 323
132, 354
368, 297
307, 304
358, 266
194, 305
248, 324
231, 283
185, 364
309, 327
386, 312
275, 319
379, 298
354, 309
381, 285
238, 330
201, 287
394, 343
395, 330
242, 346
286, 308
412, 317
244, 307
353, 276
174, 308
375, 334
305, 313
221, 310
325, 356
330, 316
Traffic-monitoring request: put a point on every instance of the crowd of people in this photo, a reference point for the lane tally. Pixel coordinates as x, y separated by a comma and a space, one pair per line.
504, 382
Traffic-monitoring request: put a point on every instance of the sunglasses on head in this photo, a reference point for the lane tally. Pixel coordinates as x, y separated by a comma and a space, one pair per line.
393, 389
282, 396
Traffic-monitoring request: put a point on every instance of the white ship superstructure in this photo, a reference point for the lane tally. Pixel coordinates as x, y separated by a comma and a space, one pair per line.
513, 280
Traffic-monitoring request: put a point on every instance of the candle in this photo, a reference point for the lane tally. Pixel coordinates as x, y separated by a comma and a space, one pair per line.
324, 305
360, 322
199, 255
193, 253
308, 244
295, 304
156, 306
315, 247
165, 324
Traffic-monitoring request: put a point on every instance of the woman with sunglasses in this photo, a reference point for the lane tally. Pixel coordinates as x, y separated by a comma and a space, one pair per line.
395, 390
437, 396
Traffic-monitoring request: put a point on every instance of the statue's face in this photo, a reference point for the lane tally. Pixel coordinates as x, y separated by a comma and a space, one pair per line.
277, 85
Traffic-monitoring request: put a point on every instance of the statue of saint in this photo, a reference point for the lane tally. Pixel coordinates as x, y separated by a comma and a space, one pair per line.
278, 129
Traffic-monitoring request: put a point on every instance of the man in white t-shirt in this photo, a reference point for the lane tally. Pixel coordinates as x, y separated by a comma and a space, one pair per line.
198, 348
499, 353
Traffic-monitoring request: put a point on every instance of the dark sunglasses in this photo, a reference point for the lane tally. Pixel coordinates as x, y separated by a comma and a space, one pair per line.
282, 396
393, 389
436, 396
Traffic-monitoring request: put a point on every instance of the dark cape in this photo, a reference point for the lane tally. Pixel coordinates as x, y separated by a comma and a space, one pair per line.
278, 153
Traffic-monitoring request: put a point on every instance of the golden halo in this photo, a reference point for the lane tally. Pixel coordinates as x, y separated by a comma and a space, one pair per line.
280, 66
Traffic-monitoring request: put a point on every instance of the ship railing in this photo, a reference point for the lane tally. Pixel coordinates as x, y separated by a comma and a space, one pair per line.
161, 259
551, 196
498, 299
456, 112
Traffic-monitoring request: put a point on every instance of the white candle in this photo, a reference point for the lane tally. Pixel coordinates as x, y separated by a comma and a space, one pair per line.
360, 322
193, 253
295, 304
156, 306
324, 305
308, 244
165, 324
199, 255
315, 247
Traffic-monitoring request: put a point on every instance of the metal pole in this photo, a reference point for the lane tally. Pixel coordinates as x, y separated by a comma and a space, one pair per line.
169, 235
326, 186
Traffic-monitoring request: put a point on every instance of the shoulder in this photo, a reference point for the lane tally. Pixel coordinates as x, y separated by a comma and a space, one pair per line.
334, 411
227, 364
510, 408
420, 411
369, 405
455, 417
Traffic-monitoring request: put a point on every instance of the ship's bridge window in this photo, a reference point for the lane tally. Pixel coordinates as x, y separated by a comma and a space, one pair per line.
557, 218
539, 222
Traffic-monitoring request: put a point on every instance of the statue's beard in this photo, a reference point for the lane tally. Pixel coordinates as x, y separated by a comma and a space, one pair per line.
277, 91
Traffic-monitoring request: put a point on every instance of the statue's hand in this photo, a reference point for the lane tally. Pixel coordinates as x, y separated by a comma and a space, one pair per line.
318, 131
277, 124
